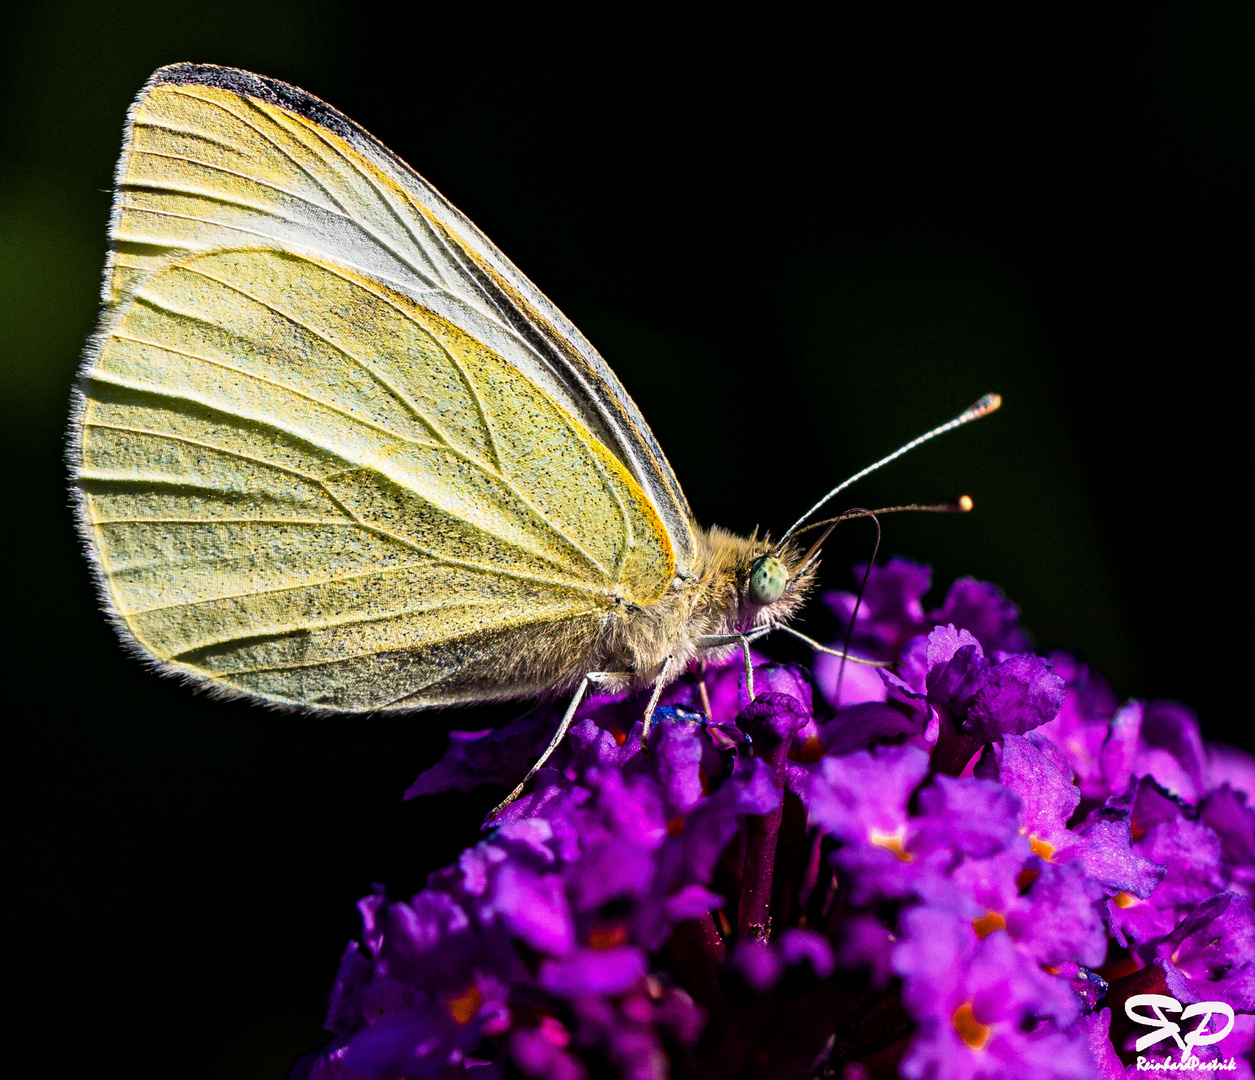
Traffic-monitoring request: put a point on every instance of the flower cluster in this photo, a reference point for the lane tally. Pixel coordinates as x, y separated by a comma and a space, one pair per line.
962, 865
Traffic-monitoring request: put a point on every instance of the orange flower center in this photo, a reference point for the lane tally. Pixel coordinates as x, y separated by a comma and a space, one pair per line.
970, 1030
988, 923
811, 751
892, 841
1041, 848
1124, 899
464, 1007
608, 938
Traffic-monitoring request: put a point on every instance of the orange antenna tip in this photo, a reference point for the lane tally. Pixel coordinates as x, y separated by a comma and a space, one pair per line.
965, 503
984, 407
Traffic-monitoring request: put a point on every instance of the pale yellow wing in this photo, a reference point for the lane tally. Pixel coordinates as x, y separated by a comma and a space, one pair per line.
305, 486
215, 157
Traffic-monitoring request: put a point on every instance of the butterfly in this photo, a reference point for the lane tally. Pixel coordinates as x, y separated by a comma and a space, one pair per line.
332, 450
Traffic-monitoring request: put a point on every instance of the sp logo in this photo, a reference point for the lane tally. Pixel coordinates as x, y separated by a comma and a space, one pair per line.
1169, 1029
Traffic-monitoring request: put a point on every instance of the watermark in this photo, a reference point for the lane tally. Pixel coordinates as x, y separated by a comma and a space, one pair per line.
1170, 1029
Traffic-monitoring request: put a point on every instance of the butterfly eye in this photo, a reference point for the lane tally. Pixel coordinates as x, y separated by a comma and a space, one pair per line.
768, 577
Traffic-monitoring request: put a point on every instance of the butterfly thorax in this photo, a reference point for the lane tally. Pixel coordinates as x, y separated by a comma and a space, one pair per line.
710, 600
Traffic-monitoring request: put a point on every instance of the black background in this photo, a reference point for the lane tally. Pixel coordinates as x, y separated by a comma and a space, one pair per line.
799, 244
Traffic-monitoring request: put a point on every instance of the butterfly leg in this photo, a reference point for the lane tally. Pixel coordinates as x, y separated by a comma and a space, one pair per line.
716, 640
659, 683
749, 667
701, 687
559, 735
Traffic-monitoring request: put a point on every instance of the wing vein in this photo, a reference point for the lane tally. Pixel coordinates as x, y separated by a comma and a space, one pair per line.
152, 184
138, 238
207, 446
445, 445
465, 564
265, 138
334, 580
441, 231
629, 540
424, 274
331, 623
387, 202
382, 380
264, 420
85, 474
312, 399
346, 656
196, 193
102, 476
225, 521
473, 390
194, 133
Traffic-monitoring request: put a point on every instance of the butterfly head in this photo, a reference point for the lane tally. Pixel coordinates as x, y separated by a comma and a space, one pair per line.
774, 582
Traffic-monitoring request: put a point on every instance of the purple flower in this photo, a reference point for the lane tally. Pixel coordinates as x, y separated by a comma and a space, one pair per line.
866, 942
541, 1051
963, 869
1166, 831
1095, 1029
1083, 724
865, 724
482, 757
1107, 747
1230, 816
563, 902
1160, 740
1210, 956
891, 615
1229, 765
977, 700
762, 964
987, 698
963, 850
891, 612
630, 1030
978, 1005
861, 799
1035, 770
984, 611
967, 816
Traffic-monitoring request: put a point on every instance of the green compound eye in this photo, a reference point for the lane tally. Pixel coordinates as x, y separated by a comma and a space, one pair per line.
768, 577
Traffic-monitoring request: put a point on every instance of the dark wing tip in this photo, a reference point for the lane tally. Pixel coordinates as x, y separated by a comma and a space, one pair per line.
247, 84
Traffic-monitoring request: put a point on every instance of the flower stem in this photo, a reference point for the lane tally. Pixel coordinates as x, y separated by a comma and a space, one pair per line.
754, 917
771, 741
954, 749
697, 954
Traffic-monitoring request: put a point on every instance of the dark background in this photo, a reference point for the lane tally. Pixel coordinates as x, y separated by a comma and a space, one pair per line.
799, 244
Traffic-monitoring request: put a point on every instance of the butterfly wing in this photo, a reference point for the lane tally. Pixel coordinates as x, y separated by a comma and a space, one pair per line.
219, 158
303, 485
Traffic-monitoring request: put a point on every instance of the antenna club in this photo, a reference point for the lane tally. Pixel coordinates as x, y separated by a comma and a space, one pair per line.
986, 405
965, 503
989, 403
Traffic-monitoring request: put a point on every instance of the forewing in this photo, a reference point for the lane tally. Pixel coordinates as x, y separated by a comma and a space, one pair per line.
303, 485
216, 158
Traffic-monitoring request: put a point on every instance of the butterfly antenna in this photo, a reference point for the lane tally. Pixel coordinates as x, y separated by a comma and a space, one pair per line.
961, 505
858, 602
986, 405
